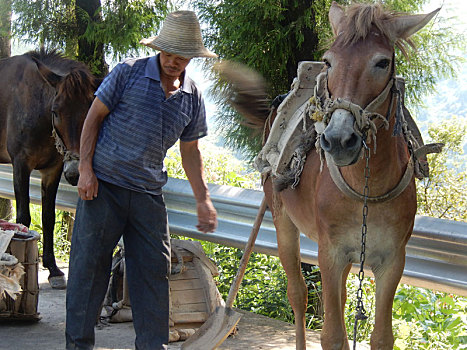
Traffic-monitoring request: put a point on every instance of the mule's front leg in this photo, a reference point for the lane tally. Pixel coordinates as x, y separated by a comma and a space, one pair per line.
21, 174
333, 274
49, 186
288, 240
387, 278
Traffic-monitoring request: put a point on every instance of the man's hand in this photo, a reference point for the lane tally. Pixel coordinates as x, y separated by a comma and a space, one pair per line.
193, 164
87, 184
207, 217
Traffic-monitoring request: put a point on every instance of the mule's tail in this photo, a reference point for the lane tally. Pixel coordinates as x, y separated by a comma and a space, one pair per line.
246, 93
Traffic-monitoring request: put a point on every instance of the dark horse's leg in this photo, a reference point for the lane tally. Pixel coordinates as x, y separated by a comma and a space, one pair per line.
21, 173
49, 187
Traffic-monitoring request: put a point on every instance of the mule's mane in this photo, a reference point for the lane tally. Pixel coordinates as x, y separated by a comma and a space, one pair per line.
360, 19
77, 77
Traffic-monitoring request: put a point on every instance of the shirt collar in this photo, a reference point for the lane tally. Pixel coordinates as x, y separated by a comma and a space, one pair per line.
152, 68
152, 71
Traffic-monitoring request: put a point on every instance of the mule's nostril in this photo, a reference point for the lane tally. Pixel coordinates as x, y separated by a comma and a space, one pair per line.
325, 144
351, 142
72, 179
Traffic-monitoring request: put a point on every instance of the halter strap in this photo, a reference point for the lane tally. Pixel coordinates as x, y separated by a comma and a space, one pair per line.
60, 145
340, 182
364, 120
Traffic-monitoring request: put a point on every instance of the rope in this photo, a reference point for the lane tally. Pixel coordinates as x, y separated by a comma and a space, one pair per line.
323, 107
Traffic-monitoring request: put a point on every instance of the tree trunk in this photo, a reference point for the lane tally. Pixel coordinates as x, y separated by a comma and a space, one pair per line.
5, 28
90, 52
309, 46
5, 51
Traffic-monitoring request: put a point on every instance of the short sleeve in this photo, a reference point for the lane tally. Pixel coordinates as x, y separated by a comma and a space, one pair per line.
111, 89
197, 128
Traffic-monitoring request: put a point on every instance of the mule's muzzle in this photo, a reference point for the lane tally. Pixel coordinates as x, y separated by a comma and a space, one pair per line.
340, 139
71, 172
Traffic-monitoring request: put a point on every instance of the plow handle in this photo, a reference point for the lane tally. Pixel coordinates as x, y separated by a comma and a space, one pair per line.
246, 255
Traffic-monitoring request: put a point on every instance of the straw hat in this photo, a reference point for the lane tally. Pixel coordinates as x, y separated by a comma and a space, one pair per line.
180, 35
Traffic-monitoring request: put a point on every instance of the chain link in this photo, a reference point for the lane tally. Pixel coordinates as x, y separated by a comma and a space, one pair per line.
360, 313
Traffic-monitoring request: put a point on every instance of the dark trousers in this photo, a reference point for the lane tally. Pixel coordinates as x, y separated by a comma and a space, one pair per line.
142, 220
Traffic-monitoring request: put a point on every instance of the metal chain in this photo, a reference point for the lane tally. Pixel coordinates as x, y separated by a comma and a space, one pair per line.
360, 313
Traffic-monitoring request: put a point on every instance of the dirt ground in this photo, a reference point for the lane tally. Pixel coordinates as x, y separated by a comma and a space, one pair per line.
254, 331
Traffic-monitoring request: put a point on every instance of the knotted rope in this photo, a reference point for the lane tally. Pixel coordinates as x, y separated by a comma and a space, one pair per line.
322, 107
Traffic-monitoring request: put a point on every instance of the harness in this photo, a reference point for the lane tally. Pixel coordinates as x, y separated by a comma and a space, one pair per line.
284, 153
364, 126
60, 145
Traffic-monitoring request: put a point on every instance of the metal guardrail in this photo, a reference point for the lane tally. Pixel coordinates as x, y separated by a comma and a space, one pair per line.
436, 253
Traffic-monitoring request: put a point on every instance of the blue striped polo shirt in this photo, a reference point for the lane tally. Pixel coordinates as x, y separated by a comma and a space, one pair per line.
142, 125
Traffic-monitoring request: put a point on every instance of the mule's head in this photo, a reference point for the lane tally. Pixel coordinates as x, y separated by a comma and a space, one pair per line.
359, 72
74, 92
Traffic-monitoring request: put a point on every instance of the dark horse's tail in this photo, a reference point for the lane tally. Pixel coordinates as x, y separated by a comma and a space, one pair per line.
246, 93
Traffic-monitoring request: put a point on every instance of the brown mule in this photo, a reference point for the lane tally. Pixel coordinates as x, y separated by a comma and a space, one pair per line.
356, 103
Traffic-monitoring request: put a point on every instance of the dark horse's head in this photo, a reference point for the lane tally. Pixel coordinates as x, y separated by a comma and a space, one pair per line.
360, 71
74, 87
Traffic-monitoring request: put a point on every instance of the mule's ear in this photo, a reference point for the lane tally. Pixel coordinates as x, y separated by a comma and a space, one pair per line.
51, 77
405, 26
336, 13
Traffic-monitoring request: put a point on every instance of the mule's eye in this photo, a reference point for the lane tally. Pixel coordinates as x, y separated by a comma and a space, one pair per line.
327, 63
383, 64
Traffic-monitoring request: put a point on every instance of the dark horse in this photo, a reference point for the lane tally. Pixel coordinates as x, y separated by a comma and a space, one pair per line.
44, 99
356, 104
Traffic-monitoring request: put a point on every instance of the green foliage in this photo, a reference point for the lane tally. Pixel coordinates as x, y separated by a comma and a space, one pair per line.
44, 21
61, 242
263, 286
262, 34
425, 319
124, 23
444, 193
422, 318
220, 167
365, 327
62, 225
271, 36
53, 23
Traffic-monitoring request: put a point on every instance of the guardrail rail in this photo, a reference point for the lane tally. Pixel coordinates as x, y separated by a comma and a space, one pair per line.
436, 252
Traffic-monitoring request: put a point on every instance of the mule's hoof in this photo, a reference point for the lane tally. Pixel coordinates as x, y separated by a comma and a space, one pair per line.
57, 282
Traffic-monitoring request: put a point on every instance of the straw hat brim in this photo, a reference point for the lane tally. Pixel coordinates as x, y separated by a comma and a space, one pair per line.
181, 35
189, 51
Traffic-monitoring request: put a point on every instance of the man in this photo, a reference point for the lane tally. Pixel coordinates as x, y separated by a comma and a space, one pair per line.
141, 109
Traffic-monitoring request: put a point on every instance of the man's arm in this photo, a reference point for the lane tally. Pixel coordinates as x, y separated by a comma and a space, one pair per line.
193, 164
87, 183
